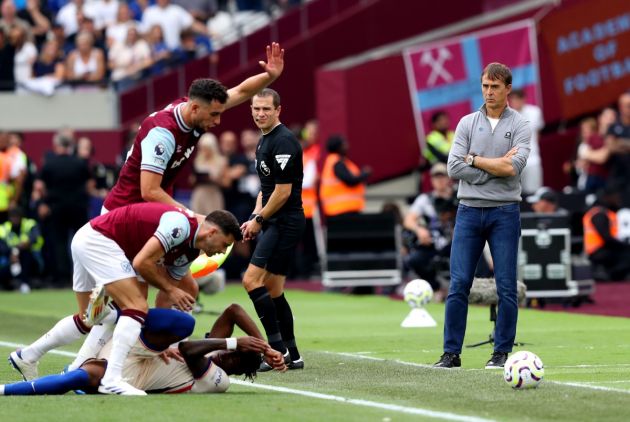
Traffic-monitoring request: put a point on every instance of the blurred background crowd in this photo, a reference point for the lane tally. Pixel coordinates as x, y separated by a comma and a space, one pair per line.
344, 95
46, 45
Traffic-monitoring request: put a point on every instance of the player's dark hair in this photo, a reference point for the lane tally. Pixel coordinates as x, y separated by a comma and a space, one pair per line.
226, 221
498, 72
208, 90
249, 364
268, 92
518, 93
435, 116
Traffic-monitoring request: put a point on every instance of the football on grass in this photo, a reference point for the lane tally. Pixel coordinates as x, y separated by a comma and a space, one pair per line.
523, 370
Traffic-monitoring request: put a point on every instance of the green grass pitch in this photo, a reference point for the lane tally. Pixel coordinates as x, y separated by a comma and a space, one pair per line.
360, 366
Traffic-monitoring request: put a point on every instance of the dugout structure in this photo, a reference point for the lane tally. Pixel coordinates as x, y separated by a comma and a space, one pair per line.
545, 263
362, 250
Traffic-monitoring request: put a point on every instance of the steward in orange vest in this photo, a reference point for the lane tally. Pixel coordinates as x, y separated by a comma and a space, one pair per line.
342, 188
310, 157
593, 239
600, 237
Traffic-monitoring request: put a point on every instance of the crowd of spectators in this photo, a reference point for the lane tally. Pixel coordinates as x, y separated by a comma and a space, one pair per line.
41, 208
47, 45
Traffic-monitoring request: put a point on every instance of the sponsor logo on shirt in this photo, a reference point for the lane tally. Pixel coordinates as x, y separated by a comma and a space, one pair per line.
187, 153
282, 160
508, 135
264, 169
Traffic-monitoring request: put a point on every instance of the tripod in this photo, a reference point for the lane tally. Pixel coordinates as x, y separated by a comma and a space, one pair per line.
493, 318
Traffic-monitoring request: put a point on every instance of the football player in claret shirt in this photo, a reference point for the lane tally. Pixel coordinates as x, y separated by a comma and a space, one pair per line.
152, 242
167, 138
280, 216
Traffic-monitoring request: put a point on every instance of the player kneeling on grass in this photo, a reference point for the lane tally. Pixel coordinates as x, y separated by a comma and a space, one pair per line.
196, 366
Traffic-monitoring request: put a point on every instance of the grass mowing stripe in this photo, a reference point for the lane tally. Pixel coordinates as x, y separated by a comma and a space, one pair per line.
368, 403
359, 402
420, 365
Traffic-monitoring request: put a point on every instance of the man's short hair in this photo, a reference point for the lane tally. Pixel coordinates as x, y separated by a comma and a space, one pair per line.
268, 92
226, 221
498, 72
208, 90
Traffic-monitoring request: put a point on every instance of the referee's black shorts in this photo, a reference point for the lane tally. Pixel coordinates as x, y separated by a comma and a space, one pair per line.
275, 248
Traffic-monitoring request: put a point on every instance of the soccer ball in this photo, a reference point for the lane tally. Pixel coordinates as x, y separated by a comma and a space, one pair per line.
418, 293
523, 370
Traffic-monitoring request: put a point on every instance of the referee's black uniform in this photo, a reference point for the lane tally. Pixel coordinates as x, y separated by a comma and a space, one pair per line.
279, 161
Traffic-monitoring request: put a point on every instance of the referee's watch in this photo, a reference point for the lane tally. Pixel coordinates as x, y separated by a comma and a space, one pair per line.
259, 218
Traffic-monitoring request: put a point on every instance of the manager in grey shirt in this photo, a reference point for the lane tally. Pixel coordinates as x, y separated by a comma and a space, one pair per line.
489, 153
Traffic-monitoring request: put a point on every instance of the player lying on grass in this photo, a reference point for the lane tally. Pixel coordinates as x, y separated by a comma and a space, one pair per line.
196, 366
150, 242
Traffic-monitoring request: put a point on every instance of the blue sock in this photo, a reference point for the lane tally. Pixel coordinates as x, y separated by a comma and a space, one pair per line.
50, 384
167, 321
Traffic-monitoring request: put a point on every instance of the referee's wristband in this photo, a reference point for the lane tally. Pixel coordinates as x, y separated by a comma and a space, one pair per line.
230, 343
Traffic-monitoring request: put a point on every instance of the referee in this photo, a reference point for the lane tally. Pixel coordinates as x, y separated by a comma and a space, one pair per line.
279, 216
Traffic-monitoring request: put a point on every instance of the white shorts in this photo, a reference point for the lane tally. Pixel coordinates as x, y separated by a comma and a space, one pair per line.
145, 370
97, 260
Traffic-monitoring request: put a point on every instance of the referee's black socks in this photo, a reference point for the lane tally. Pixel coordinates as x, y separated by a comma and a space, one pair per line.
266, 311
285, 319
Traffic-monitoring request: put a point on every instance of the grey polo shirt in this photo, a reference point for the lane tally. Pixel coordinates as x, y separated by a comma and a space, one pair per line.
474, 135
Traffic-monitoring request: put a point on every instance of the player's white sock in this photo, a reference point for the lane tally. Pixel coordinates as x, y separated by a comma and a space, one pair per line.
64, 332
1, 389
125, 335
94, 342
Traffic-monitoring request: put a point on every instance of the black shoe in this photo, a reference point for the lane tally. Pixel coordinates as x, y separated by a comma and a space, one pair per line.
296, 364
265, 367
448, 360
497, 361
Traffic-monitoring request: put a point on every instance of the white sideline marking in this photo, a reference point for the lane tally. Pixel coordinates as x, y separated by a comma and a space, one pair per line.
359, 402
605, 382
361, 356
421, 365
594, 387
592, 366
367, 403
56, 352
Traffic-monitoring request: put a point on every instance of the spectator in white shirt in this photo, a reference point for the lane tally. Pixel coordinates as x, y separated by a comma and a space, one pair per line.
129, 58
532, 175
25, 54
173, 19
117, 32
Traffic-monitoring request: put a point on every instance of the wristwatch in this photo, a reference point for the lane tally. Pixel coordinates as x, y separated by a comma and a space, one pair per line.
470, 160
259, 218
